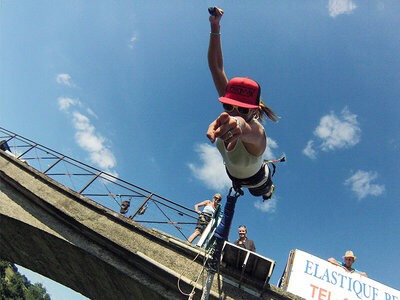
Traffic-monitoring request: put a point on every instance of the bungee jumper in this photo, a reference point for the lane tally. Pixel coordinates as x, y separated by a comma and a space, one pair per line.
240, 138
237, 132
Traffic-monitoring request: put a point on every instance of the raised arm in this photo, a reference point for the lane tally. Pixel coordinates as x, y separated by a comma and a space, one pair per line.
215, 59
204, 203
334, 261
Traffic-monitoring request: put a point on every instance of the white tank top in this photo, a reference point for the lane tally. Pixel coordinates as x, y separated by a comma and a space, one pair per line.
209, 209
238, 161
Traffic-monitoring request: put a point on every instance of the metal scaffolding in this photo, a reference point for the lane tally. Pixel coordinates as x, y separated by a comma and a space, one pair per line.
104, 188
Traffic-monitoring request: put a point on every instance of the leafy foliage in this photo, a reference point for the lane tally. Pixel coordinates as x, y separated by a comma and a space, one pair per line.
13, 285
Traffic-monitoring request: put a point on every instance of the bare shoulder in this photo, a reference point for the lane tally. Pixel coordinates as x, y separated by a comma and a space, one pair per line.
204, 203
207, 202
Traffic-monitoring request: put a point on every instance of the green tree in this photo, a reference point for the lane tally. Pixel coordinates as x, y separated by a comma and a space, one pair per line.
37, 292
3, 266
5, 292
17, 286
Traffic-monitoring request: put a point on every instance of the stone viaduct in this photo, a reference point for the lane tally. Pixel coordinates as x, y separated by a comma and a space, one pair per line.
52, 230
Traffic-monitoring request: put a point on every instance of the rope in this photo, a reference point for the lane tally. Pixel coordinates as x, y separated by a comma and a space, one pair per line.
38, 160
69, 175
191, 294
282, 159
209, 281
169, 219
110, 194
14, 146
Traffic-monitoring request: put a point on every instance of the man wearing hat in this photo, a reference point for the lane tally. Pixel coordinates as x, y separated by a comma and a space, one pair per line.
349, 259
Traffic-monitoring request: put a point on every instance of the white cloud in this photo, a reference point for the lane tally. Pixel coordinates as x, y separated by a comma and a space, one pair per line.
309, 150
106, 178
91, 112
271, 144
335, 132
268, 206
65, 79
64, 103
132, 41
92, 142
338, 132
338, 7
212, 170
85, 133
361, 184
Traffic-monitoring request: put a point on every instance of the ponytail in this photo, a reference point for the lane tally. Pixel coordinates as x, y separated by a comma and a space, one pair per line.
264, 109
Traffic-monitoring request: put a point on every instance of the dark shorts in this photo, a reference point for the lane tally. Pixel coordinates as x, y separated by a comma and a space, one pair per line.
254, 180
203, 221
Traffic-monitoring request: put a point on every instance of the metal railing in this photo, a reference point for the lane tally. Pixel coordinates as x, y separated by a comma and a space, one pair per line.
106, 189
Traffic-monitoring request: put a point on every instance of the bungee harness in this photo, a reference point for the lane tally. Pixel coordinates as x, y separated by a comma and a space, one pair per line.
252, 183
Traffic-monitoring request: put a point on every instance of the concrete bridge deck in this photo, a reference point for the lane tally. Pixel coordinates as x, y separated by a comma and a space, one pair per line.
52, 230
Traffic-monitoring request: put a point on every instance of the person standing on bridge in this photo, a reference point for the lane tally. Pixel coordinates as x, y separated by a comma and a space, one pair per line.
238, 133
205, 215
349, 259
243, 241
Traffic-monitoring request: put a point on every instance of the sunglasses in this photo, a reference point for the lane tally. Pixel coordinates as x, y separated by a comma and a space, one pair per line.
230, 107
217, 198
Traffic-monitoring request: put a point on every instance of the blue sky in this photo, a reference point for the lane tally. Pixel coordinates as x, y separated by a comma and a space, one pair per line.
125, 86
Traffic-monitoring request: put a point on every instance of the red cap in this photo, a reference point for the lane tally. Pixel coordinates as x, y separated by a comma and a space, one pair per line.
242, 92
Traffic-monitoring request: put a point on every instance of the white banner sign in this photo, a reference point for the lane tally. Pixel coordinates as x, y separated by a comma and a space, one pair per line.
315, 278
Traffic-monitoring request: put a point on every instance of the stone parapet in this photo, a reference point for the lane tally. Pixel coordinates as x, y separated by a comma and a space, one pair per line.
52, 230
